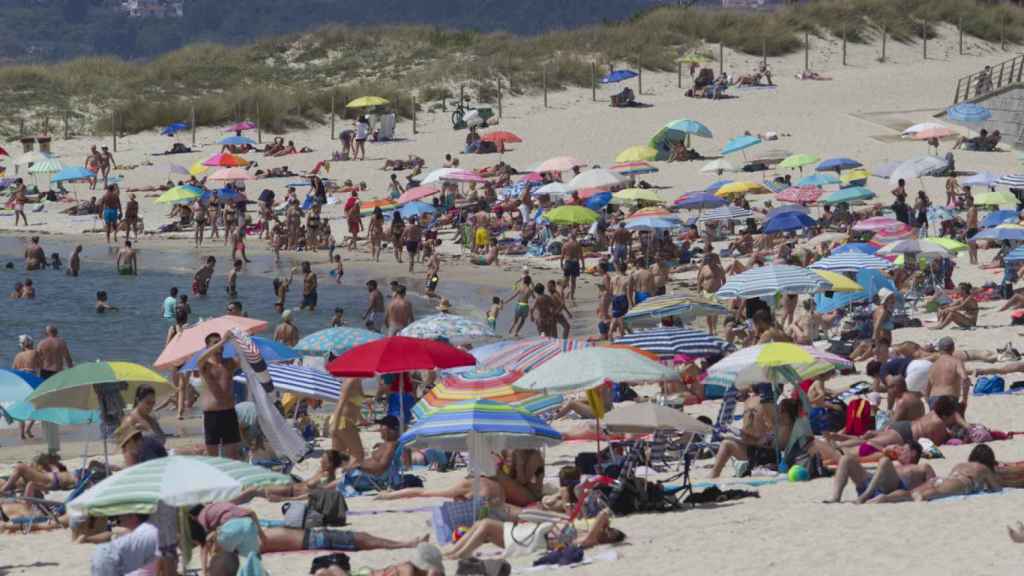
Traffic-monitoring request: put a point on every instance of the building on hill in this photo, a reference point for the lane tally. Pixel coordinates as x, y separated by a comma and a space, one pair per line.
154, 8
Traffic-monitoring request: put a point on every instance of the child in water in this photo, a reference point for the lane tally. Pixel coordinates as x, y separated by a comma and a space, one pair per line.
101, 302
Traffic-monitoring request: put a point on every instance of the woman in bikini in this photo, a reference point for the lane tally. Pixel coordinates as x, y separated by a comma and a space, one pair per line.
522, 477
397, 230
376, 232
345, 420
142, 414
976, 475
560, 308
45, 472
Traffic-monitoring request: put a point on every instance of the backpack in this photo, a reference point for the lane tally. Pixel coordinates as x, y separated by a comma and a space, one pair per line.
322, 508
859, 419
826, 419
989, 385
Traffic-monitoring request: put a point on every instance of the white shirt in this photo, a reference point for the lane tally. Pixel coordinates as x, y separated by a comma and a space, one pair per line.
133, 554
362, 130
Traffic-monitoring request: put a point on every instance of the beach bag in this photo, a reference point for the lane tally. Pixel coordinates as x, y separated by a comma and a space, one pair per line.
323, 508
859, 419
978, 434
989, 385
1017, 318
828, 420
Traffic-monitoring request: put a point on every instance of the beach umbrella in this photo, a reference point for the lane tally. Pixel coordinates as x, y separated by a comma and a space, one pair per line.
241, 127
1000, 217
788, 208
968, 113
925, 248
788, 222
554, 189
839, 282
598, 201
178, 169
877, 224
72, 173
73, 387
798, 161
715, 186
986, 179
173, 128
197, 168
436, 176
886, 170
176, 481
225, 160
502, 136
483, 384
224, 194
598, 178
800, 195
1010, 181
648, 417
1000, 198
851, 261
616, 76
917, 168
740, 188
16, 385
652, 223
950, 244
837, 165
1011, 232
655, 211
47, 166
890, 235
667, 343
818, 179
416, 209
448, 327
183, 194
638, 195
334, 341
231, 174
237, 141
849, 195
767, 281
687, 306
304, 381
740, 143
850, 247
571, 215
559, 164
32, 158
699, 201
637, 154
771, 155
718, 166
724, 213
366, 207
271, 350
687, 126
939, 214
632, 168
460, 175
24, 411
1015, 255
192, 339
774, 362
855, 177
397, 354
366, 102
588, 368
417, 193
921, 127
933, 133
525, 355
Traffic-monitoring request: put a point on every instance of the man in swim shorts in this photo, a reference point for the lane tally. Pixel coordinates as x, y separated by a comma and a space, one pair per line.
572, 261
220, 421
522, 295
622, 292
309, 284
201, 279
110, 205
906, 473
127, 260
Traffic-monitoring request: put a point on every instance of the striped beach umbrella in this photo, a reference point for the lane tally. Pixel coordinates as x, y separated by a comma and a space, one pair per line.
335, 341
483, 384
915, 246
775, 362
668, 342
1010, 181
450, 327
589, 368
687, 306
837, 165
998, 217
525, 355
175, 481
305, 381
73, 387
271, 350
851, 262
878, 223
48, 165
633, 168
16, 385
768, 281
800, 195
497, 424
725, 213
891, 235
968, 113
183, 194
1015, 255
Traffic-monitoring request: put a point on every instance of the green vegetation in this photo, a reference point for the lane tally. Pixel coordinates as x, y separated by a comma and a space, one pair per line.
293, 77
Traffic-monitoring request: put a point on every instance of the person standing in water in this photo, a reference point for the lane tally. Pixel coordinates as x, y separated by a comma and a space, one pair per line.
35, 256
110, 206
232, 285
399, 313
201, 279
309, 284
127, 262
375, 309
286, 332
74, 262
220, 421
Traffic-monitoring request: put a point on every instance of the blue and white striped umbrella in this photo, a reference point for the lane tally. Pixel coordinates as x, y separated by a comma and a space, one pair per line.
272, 351
983, 178
998, 217
652, 223
1010, 181
335, 341
862, 247
724, 213
768, 281
668, 342
450, 327
851, 261
302, 380
968, 112
1011, 232
16, 385
1015, 255
498, 425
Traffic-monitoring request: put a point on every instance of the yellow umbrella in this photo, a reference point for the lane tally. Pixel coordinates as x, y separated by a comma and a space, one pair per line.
839, 282
197, 168
366, 102
855, 175
1001, 198
637, 154
638, 195
741, 188
951, 244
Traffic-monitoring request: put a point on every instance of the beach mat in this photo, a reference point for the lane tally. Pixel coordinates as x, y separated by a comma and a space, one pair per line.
591, 557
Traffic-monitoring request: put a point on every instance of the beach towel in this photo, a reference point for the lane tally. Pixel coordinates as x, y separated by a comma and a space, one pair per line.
283, 439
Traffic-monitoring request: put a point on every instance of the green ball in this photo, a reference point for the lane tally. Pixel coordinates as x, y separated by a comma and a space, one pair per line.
798, 473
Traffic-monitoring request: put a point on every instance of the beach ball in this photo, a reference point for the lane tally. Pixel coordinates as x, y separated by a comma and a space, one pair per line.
798, 473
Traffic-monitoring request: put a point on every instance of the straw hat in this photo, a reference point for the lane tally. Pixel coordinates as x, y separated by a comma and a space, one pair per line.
126, 432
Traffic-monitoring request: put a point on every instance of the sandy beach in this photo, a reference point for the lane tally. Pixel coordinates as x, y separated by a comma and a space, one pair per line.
787, 530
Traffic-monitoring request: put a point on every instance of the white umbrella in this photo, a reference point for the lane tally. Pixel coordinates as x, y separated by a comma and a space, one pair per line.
31, 158
922, 127
924, 248
437, 176
591, 367
917, 167
718, 166
647, 417
554, 189
558, 164
597, 178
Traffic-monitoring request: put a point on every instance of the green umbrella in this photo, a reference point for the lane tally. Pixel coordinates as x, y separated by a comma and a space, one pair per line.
180, 194
571, 215
799, 161
73, 388
176, 481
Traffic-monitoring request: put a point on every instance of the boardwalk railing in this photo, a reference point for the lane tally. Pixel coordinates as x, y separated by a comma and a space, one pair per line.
984, 81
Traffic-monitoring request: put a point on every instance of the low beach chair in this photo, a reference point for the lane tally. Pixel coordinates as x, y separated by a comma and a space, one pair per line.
49, 510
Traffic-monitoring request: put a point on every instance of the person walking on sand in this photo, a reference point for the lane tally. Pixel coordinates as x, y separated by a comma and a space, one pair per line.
397, 231
362, 133
355, 221
286, 332
28, 360
309, 285
376, 233
53, 352
106, 162
399, 313
222, 436
411, 238
110, 207
92, 164
19, 200
375, 309
126, 263
572, 263
131, 217
710, 278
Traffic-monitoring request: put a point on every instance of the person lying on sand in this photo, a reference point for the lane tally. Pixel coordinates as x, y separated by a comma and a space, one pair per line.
397, 165
934, 426
490, 490
906, 473
526, 538
46, 472
976, 475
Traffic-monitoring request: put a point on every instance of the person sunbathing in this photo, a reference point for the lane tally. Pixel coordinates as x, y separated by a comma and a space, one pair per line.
963, 313
935, 426
976, 475
398, 165
906, 473
286, 150
755, 435
489, 489
526, 538
46, 473
330, 462
521, 476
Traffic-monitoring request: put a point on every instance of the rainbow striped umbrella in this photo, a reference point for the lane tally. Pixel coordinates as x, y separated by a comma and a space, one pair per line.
483, 384
775, 362
527, 354
335, 341
496, 425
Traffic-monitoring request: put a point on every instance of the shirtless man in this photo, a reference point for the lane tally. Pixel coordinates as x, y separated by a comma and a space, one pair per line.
286, 332
92, 163
660, 270
972, 225
35, 256
110, 208
54, 355
375, 308
201, 279
906, 473
622, 299
643, 280
934, 426
963, 313
28, 360
572, 262
948, 378
522, 296
309, 283
710, 278
976, 475
433, 273
126, 262
131, 216
232, 283
74, 262
543, 312
399, 313
411, 236
622, 239
220, 421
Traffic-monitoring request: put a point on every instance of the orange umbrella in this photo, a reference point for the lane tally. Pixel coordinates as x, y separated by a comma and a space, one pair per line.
933, 133
501, 136
193, 339
231, 174
417, 193
225, 160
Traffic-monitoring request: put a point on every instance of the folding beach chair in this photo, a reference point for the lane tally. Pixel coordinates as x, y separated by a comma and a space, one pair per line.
49, 510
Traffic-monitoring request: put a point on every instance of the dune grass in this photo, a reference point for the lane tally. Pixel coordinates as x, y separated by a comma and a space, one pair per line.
293, 77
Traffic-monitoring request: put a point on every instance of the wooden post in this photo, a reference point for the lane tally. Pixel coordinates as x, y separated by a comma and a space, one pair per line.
956, 97
193, 125
259, 124
113, 128
924, 38
639, 76
960, 31
1002, 33
593, 81
807, 51
462, 94
885, 33
499, 98
66, 113
844, 43
21, 127
544, 81
721, 58
679, 74
414, 107
764, 51
46, 125
333, 115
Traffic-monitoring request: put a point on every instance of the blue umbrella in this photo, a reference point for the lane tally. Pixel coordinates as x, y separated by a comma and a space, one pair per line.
1015, 255
871, 280
1000, 233
224, 194
598, 201
416, 209
767, 281
1010, 181
788, 222
668, 342
16, 385
862, 247
969, 113
740, 143
986, 179
851, 194
699, 201
787, 208
652, 223
689, 127
851, 261
618, 76
272, 352
819, 179
886, 170
237, 141
173, 128
714, 186
73, 173
837, 164
24, 411
998, 217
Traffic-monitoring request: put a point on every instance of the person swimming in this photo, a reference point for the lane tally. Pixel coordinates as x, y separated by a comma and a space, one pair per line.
102, 305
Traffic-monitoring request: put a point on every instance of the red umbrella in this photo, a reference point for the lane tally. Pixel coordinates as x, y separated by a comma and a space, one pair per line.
398, 354
501, 136
3, 152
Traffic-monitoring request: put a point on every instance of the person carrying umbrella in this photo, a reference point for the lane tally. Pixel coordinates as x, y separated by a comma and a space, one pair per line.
220, 421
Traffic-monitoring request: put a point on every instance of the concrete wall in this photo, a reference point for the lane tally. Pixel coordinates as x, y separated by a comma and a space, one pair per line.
1007, 107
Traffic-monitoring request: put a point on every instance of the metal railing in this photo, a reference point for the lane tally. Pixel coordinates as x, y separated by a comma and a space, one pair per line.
983, 82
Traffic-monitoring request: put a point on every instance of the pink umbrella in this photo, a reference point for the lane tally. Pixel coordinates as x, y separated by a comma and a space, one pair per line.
532, 178
241, 127
890, 235
417, 193
225, 160
559, 164
878, 223
801, 195
463, 176
231, 174
193, 339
